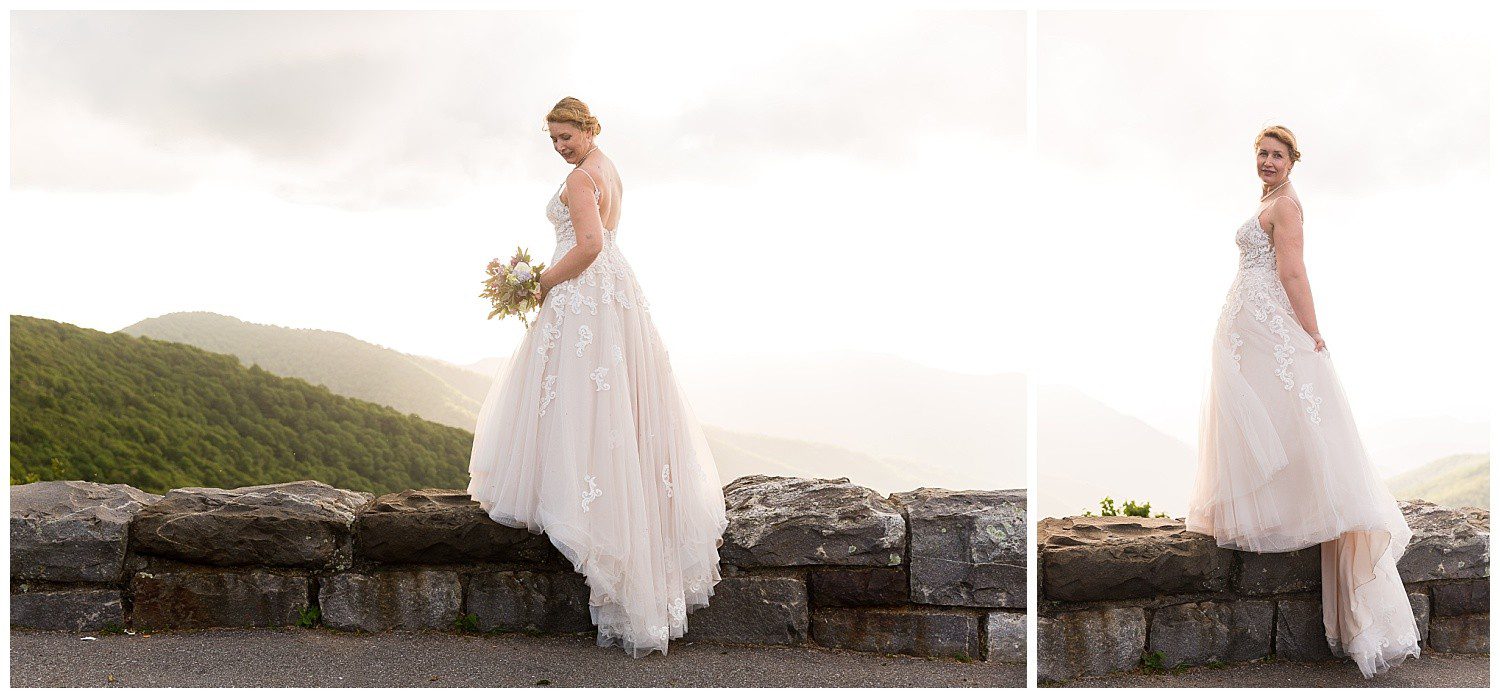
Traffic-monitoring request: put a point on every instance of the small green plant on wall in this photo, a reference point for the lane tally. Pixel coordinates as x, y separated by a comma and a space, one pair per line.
1155, 662
309, 617
1129, 508
466, 622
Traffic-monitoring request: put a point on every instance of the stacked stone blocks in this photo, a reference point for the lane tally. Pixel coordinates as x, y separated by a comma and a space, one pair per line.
805, 562
1118, 590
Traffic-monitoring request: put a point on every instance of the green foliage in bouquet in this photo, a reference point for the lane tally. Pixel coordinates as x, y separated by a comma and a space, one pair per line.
514, 288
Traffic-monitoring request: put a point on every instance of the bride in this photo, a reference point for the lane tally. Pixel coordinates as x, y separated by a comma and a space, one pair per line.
584, 434
1281, 465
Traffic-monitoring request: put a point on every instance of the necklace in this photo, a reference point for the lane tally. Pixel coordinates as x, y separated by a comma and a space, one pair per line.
586, 156
1284, 182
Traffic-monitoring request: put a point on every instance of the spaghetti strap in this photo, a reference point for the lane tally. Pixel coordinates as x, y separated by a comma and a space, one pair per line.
597, 194
1284, 196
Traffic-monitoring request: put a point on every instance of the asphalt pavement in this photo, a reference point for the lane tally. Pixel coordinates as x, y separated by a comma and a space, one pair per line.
285, 657
1431, 670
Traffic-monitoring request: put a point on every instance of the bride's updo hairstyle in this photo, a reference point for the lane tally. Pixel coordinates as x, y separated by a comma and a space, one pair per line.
572, 110
1283, 134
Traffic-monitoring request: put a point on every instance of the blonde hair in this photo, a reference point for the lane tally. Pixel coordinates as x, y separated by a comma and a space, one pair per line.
1283, 134
571, 110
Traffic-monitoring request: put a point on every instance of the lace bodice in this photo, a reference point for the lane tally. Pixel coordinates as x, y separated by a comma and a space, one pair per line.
1258, 287
562, 224
1257, 282
1256, 251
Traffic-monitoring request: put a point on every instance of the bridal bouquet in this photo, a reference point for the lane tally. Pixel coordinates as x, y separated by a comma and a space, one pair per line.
515, 288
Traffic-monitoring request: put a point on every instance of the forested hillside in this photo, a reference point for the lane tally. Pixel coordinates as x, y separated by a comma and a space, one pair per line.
109, 407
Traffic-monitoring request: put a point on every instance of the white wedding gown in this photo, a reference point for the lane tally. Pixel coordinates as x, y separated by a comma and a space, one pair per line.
1281, 465
586, 437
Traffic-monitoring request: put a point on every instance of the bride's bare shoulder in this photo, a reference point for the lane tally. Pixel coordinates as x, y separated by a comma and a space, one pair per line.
1283, 213
1287, 206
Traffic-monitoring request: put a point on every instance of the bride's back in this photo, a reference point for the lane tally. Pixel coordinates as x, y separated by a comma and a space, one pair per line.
611, 193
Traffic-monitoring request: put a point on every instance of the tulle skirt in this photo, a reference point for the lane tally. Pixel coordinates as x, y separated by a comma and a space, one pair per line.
586, 437
1282, 468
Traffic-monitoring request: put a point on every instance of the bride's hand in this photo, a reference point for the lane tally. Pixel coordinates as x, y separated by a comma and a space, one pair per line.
1318, 344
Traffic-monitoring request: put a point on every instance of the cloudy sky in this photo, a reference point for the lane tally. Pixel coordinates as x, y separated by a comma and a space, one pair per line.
831, 183
1145, 123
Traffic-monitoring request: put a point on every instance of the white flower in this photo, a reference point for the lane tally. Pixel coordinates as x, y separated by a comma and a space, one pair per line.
523, 272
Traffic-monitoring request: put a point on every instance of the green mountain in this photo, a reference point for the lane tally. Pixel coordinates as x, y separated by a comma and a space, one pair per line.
109, 407
434, 390
1456, 481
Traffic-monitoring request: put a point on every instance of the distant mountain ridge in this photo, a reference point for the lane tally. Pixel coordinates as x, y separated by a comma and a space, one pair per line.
1407, 444
1087, 450
1456, 481
950, 429
741, 453
434, 390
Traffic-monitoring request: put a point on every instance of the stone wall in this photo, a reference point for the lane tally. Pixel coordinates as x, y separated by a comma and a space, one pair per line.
1115, 589
930, 572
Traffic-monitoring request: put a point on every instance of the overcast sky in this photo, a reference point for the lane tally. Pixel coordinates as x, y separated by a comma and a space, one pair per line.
791, 186
1145, 130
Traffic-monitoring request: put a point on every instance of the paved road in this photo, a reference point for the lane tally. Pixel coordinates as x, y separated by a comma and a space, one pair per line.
1431, 670
321, 657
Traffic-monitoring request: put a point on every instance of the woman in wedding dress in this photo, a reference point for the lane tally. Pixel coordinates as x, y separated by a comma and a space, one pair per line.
585, 435
1281, 464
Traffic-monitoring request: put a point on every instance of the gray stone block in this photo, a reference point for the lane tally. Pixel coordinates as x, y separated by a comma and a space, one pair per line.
919, 632
754, 610
788, 521
526, 600
67, 609
1300, 635
1090, 642
1461, 598
292, 524
967, 547
1445, 543
1469, 634
71, 530
443, 526
1102, 558
217, 598
1280, 573
1198, 633
1005, 637
858, 586
1421, 611
410, 599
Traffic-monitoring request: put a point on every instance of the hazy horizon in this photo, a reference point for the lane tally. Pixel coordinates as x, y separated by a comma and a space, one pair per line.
898, 424
1088, 449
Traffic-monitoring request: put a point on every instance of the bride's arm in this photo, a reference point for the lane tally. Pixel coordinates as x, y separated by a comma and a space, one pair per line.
587, 226
1286, 224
